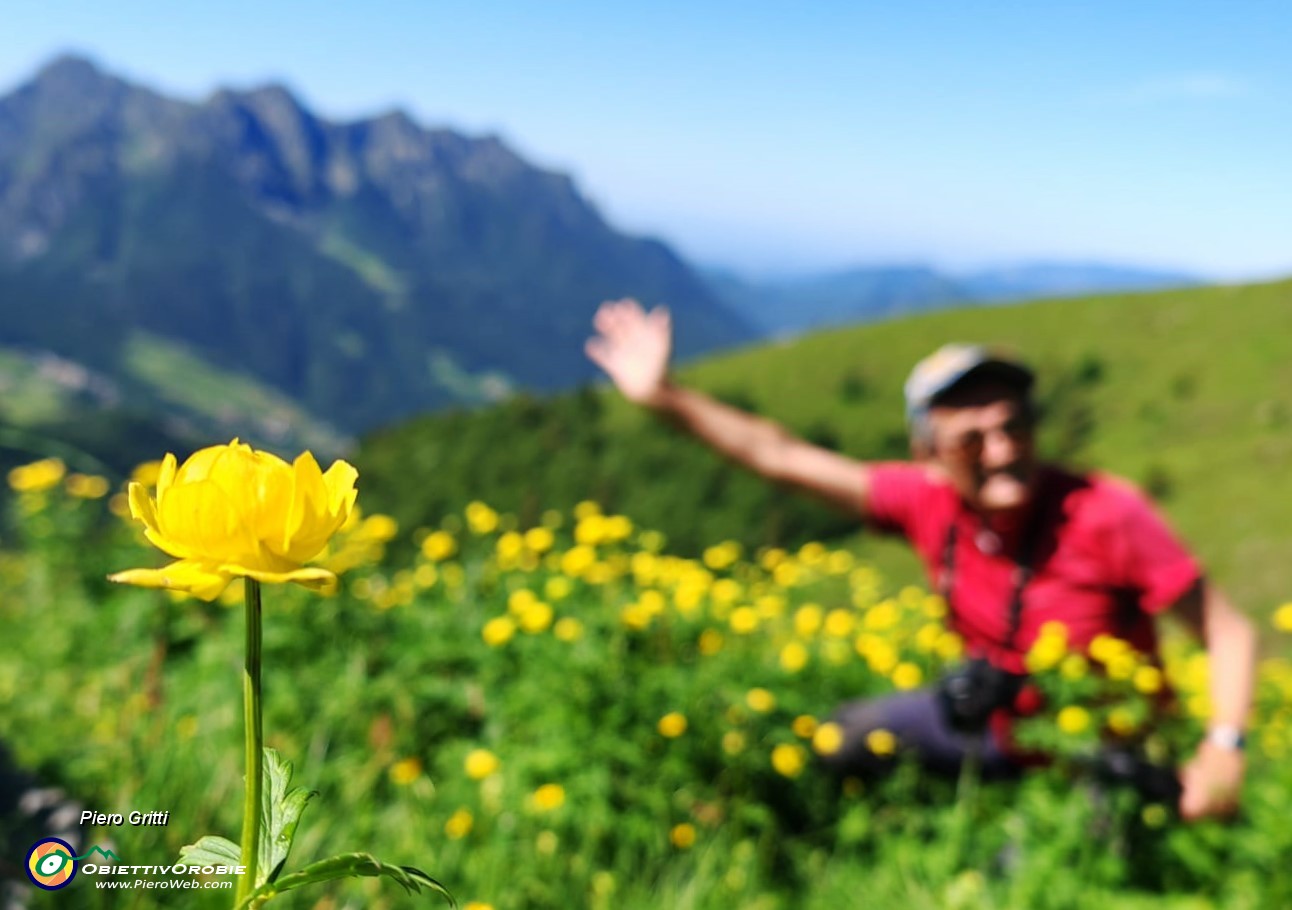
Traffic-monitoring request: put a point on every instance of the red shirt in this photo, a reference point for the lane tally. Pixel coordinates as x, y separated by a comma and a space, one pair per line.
1103, 560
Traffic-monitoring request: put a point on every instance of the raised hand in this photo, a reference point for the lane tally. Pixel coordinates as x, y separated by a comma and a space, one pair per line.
633, 347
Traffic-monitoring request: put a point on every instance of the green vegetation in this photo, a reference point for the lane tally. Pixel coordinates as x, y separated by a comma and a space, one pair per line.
1188, 393
545, 725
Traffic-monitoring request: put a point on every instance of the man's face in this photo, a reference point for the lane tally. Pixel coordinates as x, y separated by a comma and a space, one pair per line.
983, 439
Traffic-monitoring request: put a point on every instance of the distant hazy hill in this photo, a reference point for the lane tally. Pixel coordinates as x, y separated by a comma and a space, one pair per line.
790, 305
356, 272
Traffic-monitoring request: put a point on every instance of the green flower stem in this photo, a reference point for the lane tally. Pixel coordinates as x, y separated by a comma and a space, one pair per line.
251, 808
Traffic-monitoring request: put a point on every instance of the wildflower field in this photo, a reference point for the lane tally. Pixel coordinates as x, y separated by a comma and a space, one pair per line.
566, 715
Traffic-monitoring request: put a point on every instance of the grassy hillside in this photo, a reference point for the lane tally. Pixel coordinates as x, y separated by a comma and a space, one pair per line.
1188, 393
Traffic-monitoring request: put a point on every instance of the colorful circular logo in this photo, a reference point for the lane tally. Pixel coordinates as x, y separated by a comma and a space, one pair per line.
51, 864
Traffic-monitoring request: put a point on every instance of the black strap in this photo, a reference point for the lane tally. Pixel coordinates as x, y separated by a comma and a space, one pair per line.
1023, 564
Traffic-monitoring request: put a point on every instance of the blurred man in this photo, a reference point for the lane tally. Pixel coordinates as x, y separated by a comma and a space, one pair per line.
1011, 543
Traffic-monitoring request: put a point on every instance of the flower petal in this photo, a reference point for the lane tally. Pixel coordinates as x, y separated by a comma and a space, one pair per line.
311, 577
165, 475
199, 579
339, 481
142, 507
201, 520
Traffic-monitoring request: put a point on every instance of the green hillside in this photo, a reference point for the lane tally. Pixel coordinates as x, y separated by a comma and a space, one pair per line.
1188, 393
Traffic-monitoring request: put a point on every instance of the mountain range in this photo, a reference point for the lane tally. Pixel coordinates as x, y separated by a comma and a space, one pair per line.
791, 305
349, 274
175, 272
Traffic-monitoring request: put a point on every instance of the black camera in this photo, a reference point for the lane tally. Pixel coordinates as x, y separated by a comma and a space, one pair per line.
971, 692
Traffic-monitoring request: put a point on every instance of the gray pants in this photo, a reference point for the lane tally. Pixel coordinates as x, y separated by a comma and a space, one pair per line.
922, 733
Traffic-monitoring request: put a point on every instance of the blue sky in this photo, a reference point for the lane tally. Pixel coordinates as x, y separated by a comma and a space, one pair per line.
795, 136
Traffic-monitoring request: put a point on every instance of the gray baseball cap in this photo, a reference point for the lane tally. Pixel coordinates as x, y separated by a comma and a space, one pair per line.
952, 364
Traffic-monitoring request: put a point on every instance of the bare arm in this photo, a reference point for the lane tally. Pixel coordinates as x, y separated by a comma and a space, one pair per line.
633, 347
1213, 778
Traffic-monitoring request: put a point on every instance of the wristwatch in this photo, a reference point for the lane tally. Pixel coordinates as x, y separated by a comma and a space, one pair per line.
1226, 736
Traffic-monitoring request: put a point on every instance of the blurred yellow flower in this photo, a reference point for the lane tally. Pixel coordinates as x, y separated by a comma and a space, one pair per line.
405, 771
536, 617
907, 675
672, 725
1122, 721
733, 742
1283, 618
1049, 648
881, 742
38, 476
794, 657
788, 760
743, 620
839, 623
1147, 680
557, 588
549, 797
231, 511
480, 763
477, 905
587, 507
568, 629
539, 539
480, 518
87, 486
459, 824
439, 546
710, 642
828, 739
498, 631
760, 700
807, 620
682, 836
577, 560
804, 726
1073, 720
1074, 666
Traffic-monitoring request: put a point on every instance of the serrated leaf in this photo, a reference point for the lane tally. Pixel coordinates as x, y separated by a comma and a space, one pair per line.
211, 851
347, 865
281, 810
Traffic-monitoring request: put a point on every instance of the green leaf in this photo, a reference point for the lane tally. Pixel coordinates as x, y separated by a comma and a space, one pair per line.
281, 811
347, 865
211, 851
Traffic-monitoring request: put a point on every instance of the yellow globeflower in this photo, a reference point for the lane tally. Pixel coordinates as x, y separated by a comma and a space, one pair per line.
672, 725
1073, 720
828, 738
459, 824
743, 620
37, 476
794, 657
804, 726
498, 631
568, 629
405, 771
682, 836
881, 742
539, 539
549, 797
807, 620
907, 675
788, 760
480, 763
87, 486
760, 700
229, 511
1148, 680
733, 742
439, 546
480, 518
536, 617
